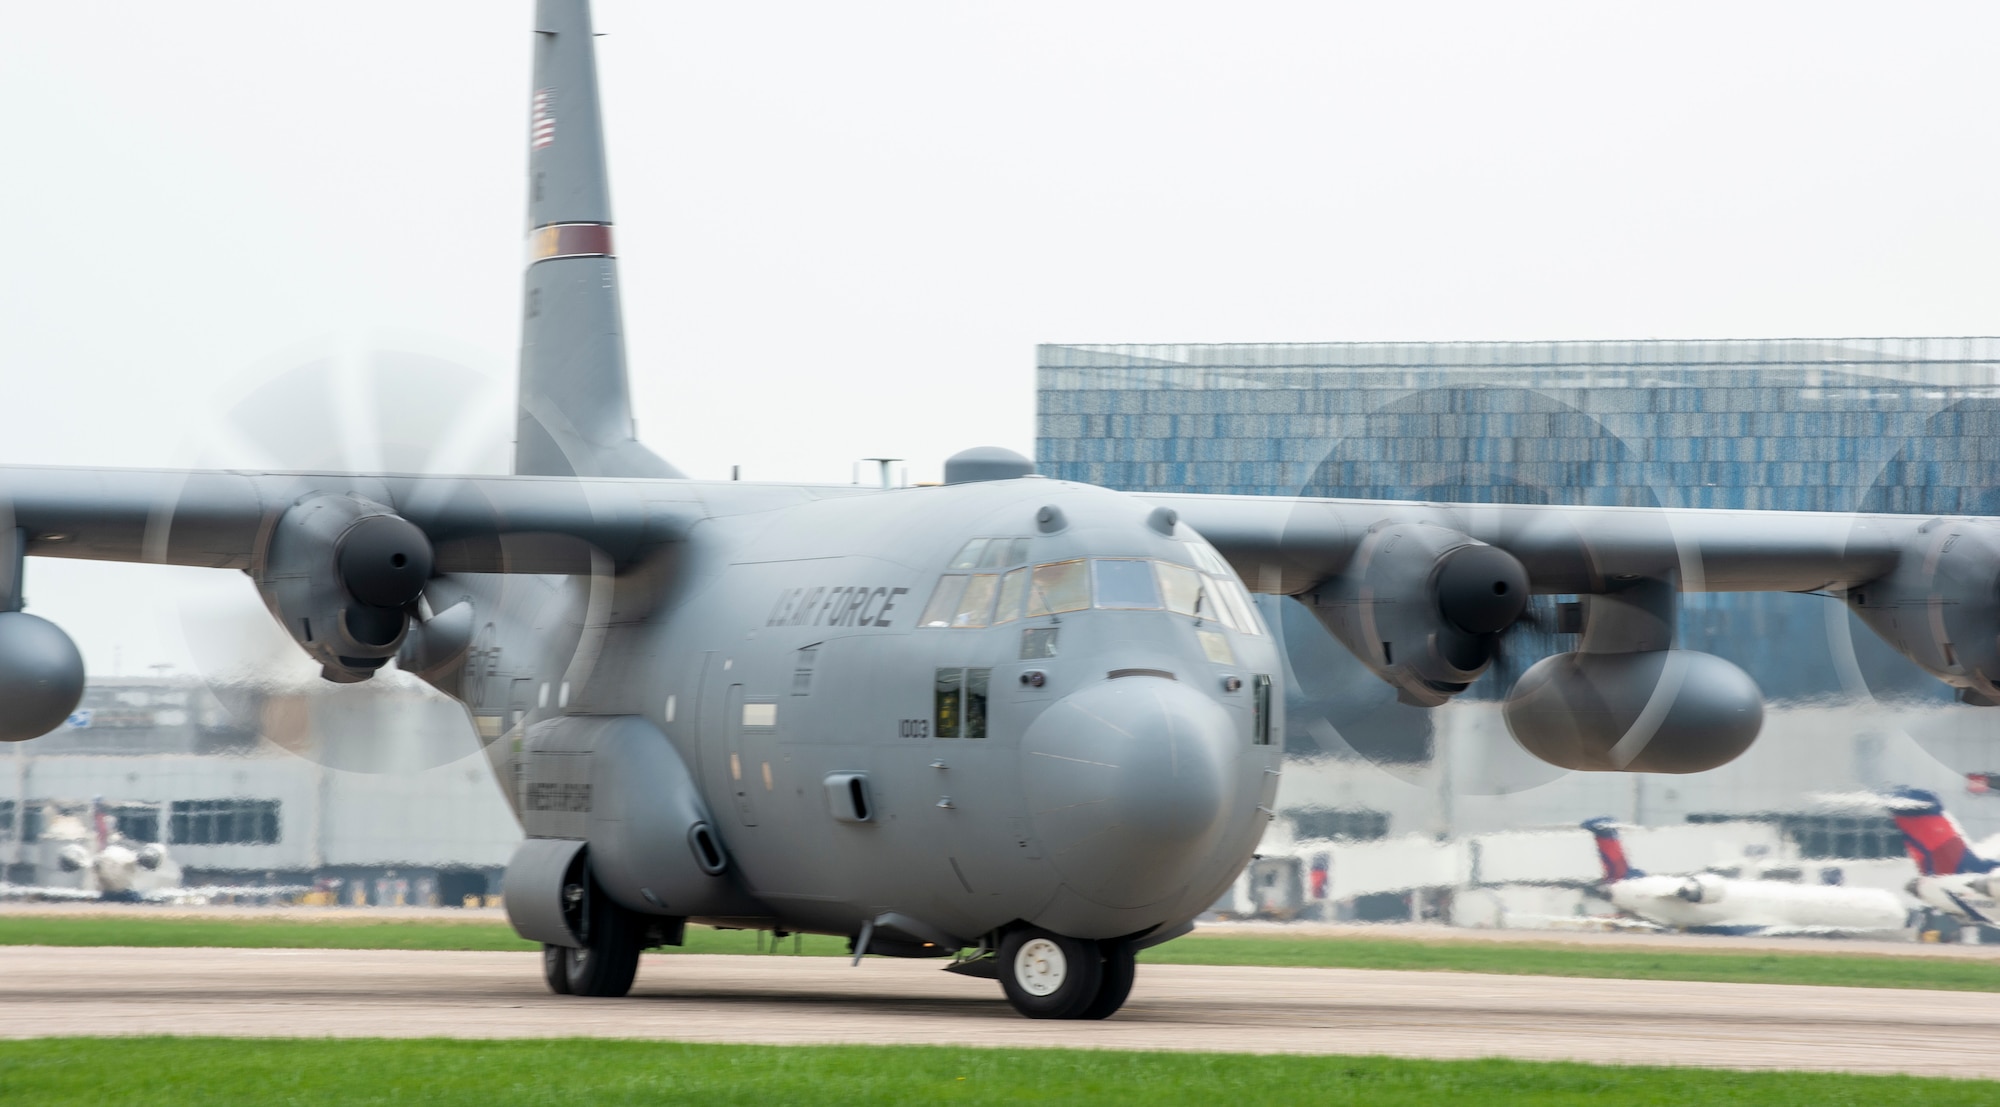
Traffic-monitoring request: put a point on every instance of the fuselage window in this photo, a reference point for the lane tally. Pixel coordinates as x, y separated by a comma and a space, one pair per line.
1241, 606
1261, 707
1180, 585
1212, 605
944, 601
1013, 591
1038, 642
1126, 583
968, 557
975, 607
1215, 646
959, 696
1003, 552
948, 697
991, 553
1058, 586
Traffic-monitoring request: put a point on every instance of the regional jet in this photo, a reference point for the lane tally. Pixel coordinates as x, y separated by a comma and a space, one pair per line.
1951, 877
1709, 903
1025, 726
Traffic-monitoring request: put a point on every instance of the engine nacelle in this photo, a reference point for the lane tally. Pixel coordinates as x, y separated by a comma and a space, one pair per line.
1422, 607
1940, 606
1703, 888
343, 575
1656, 711
41, 676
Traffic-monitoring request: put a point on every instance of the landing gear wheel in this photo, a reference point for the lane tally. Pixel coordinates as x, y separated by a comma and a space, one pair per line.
609, 959
1120, 966
555, 969
1048, 976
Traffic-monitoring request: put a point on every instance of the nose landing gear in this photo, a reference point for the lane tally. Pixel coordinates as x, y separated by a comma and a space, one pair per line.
1049, 976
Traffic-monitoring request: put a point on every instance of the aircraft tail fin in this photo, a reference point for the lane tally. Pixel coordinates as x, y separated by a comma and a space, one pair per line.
1934, 840
1610, 850
575, 407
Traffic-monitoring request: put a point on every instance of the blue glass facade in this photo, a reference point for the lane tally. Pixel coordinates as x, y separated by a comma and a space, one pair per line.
1892, 424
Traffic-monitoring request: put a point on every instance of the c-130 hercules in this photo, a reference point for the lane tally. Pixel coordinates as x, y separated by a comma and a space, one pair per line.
1022, 723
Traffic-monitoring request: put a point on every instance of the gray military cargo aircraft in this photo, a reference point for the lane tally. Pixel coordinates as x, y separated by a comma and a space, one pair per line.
1024, 724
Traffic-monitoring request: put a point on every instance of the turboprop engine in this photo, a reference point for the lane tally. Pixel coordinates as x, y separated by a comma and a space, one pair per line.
343, 575
1940, 606
1423, 606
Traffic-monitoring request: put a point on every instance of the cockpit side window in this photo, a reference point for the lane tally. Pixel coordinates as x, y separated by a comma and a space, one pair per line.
944, 601
1124, 583
1013, 592
1211, 604
975, 607
1180, 585
1057, 587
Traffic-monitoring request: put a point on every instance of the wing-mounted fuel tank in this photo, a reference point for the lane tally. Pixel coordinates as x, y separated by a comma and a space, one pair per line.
608, 795
343, 575
1422, 606
1626, 700
1940, 606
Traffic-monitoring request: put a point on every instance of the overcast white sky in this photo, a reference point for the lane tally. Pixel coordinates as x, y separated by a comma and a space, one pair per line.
843, 227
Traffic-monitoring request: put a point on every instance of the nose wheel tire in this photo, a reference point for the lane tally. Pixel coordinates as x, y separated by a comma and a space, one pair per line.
1120, 968
1048, 976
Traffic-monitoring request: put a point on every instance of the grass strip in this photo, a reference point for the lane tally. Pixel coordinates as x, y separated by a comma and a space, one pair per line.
267, 932
1279, 951
1554, 959
219, 1072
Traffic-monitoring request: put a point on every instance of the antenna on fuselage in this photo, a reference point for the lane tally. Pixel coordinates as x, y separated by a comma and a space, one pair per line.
884, 462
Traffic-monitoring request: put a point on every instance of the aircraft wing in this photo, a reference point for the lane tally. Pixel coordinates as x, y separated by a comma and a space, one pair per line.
216, 519
1290, 545
1421, 592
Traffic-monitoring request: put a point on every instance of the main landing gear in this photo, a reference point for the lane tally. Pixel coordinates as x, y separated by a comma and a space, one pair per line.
612, 937
1048, 976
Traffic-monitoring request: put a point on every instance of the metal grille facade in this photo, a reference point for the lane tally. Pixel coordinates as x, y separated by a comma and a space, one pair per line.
1874, 424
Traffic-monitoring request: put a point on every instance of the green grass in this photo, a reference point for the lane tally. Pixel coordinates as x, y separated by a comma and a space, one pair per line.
219, 1072
266, 932
1535, 959
1552, 959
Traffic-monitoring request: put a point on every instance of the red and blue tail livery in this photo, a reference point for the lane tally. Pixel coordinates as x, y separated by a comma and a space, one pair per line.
1610, 850
1933, 838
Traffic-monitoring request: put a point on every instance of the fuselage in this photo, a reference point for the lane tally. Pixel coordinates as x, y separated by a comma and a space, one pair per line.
1059, 705
1712, 903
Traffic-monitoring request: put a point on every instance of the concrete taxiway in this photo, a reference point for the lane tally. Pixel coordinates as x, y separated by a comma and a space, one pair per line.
782, 999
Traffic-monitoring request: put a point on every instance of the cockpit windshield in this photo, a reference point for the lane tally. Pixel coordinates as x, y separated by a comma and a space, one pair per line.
971, 600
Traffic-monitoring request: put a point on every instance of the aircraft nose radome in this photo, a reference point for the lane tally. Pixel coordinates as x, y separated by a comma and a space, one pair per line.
1128, 783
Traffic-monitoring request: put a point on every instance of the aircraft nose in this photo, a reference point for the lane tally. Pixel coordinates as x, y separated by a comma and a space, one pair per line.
1129, 783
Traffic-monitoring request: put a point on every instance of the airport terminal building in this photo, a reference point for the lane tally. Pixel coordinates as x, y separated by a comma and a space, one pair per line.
1907, 425
394, 806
